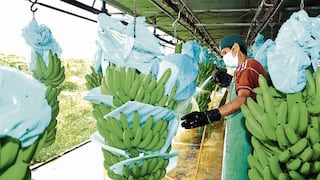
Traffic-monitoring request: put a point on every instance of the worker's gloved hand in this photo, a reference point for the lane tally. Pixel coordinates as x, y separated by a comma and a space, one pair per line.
221, 77
196, 119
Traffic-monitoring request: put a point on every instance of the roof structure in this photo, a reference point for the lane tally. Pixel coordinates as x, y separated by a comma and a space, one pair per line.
209, 20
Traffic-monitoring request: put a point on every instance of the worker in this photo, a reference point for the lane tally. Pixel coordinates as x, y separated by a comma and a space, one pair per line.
245, 79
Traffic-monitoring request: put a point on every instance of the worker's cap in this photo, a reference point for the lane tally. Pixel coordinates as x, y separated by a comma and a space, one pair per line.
229, 40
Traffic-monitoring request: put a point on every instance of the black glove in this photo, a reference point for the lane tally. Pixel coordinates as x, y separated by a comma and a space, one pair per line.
221, 77
196, 119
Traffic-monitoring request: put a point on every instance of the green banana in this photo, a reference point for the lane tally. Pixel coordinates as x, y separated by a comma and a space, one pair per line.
283, 176
159, 92
165, 76
127, 138
135, 170
159, 165
115, 127
314, 121
253, 162
126, 171
254, 174
295, 175
159, 145
163, 101
255, 110
18, 170
293, 164
267, 127
144, 167
263, 157
315, 167
151, 86
293, 119
149, 122
298, 147
290, 134
259, 99
41, 67
275, 167
116, 101
140, 94
124, 121
316, 152
137, 137
313, 135
135, 122
9, 151
303, 118
123, 96
117, 142
281, 137
252, 125
285, 156
305, 168
146, 98
153, 142
50, 65
152, 163
135, 87
310, 85
282, 113
266, 174
157, 126
147, 139
107, 156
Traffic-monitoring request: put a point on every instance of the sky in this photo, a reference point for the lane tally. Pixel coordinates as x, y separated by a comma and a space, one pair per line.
76, 36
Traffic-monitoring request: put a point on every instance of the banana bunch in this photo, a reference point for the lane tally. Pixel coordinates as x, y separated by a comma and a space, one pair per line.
151, 168
93, 79
150, 135
15, 160
285, 131
52, 94
127, 84
203, 98
53, 74
132, 137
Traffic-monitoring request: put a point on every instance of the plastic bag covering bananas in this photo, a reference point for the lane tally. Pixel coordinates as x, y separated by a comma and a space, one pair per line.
53, 74
145, 167
24, 110
285, 131
127, 84
204, 87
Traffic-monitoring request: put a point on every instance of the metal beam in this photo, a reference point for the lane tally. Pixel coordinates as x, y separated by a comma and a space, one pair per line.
226, 24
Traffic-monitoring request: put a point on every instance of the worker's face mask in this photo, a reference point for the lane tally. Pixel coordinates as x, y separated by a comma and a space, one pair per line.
230, 60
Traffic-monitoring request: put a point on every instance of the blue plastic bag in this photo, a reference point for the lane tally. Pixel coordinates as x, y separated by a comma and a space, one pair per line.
296, 41
188, 72
40, 38
121, 45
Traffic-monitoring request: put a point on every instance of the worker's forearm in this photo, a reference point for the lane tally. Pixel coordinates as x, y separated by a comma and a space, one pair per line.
232, 106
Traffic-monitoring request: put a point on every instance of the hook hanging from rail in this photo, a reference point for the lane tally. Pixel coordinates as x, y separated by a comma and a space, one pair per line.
32, 8
175, 25
302, 4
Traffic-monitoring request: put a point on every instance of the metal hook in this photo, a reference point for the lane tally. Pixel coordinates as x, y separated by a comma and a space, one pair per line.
32, 6
174, 24
302, 4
